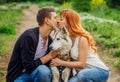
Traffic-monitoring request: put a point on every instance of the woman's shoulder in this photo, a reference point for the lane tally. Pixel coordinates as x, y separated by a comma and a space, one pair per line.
83, 39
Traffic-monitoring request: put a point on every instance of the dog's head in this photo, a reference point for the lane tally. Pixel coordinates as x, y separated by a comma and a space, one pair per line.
61, 41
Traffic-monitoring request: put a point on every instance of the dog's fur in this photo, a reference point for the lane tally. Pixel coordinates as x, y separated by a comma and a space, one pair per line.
62, 42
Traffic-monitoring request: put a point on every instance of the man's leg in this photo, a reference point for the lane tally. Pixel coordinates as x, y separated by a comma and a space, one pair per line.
41, 74
22, 78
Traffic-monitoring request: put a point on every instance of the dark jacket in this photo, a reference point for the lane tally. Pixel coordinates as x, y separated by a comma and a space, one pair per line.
23, 54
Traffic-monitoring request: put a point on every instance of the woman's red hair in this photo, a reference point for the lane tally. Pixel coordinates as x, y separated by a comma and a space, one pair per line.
75, 28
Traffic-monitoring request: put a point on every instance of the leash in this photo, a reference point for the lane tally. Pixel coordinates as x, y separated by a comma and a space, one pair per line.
61, 68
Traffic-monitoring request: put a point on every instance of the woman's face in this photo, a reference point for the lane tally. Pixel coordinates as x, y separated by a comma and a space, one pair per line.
61, 22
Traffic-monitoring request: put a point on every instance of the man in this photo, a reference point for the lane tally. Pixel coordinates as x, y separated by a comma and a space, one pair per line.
31, 55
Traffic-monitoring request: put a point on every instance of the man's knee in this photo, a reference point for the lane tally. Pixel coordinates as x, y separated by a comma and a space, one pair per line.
43, 70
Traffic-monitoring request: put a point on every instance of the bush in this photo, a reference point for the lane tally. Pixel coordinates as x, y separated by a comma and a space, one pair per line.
2, 1
66, 5
61, 1
2, 73
113, 3
81, 5
116, 52
109, 44
7, 29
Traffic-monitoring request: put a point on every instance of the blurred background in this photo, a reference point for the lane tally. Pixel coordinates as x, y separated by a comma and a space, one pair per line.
100, 17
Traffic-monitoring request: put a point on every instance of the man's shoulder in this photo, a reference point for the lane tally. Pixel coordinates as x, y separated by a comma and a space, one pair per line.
35, 29
31, 31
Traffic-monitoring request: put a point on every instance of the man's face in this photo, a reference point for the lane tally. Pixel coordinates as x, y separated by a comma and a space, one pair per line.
53, 20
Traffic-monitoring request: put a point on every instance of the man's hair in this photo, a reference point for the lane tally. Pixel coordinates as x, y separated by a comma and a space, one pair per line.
44, 12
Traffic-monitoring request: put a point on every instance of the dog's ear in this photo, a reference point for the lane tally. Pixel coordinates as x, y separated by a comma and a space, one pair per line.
55, 28
64, 30
53, 33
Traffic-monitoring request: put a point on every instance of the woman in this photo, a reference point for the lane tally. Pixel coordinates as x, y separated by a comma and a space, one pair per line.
88, 66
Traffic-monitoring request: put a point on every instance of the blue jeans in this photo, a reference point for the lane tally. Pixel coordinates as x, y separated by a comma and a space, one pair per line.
90, 75
41, 74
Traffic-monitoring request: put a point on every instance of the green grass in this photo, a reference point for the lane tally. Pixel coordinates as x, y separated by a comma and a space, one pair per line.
104, 12
9, 20
5, 43
2, 73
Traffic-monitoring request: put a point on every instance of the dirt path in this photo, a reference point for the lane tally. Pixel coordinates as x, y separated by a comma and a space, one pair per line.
29, 21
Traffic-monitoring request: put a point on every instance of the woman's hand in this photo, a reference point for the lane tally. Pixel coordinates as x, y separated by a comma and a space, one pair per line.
56, 62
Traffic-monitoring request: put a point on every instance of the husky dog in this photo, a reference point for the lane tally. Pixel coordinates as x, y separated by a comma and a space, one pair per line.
62, 42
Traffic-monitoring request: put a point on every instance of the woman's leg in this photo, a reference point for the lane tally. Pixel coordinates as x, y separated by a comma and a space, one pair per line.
41, 74
74, 79
93, 75
90, 75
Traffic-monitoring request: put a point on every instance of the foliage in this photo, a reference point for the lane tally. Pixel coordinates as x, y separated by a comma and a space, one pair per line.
47, 3
116, 52
8, 21
97, 2
66, 5
104, 11
113, 3
81, 5
2, 1
98, 6
2, 73
61, 1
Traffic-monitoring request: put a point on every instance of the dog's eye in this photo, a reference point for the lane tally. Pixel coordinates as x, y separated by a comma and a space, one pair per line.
58, 38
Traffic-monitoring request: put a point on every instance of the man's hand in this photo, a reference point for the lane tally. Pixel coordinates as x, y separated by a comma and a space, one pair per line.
54, 53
